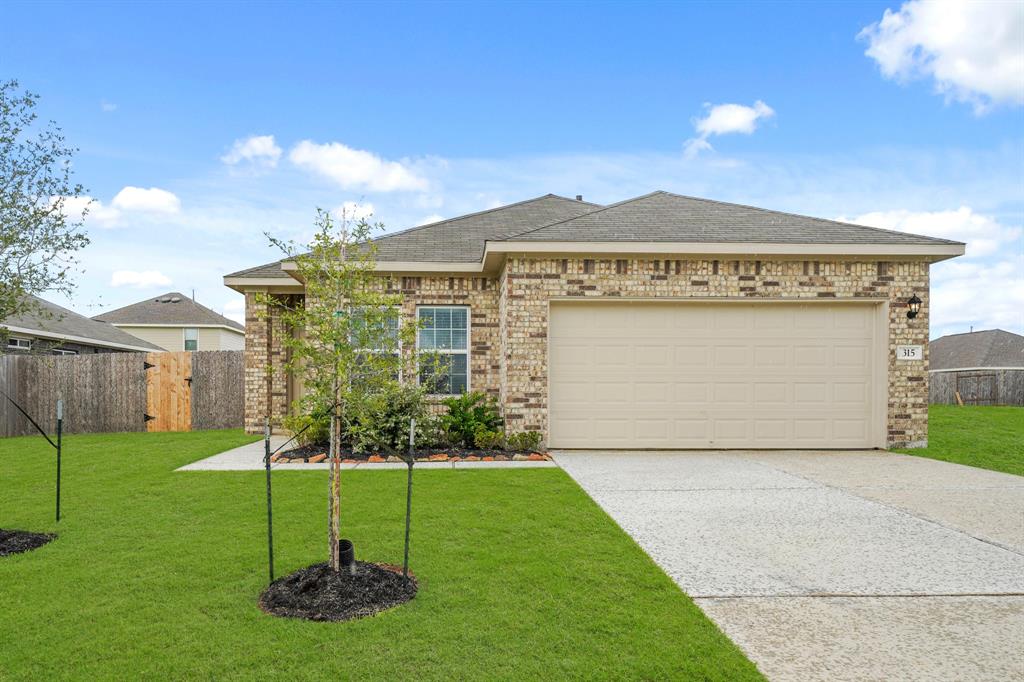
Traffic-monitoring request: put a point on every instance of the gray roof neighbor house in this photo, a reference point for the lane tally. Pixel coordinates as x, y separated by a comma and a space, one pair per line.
65, 329
993, 348
659, 217
167, 309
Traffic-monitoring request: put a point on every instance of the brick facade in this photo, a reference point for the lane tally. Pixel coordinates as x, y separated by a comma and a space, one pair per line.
509, 321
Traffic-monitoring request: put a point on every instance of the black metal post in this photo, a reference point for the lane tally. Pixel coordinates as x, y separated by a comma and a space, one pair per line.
60, 429
408, 495
270, 513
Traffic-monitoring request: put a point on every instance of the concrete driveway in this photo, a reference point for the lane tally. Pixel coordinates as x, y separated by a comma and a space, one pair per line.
833, 565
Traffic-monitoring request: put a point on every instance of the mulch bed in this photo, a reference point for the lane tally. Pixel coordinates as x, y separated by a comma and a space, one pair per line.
318, 593
318, 453
18, 541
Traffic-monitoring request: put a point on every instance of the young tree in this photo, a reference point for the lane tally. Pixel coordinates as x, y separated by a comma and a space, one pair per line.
351, 348
39, 231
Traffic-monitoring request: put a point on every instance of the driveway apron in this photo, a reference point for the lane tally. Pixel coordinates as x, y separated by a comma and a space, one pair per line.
833, 565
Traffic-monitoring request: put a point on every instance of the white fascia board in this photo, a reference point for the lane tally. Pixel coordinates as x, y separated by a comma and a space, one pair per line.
176, 325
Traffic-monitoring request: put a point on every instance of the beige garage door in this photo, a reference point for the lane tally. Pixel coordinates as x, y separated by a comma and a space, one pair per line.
715, 375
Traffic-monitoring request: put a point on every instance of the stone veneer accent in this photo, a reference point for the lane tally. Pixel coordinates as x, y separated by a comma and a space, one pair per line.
509, 322
528, 284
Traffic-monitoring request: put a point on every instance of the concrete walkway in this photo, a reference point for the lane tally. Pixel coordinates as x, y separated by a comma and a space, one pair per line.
250, 458
833, 565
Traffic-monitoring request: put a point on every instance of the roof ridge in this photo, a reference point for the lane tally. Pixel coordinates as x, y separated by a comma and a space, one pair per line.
479, 213
598, 210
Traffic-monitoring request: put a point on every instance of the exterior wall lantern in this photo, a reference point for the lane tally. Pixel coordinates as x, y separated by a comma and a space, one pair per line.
915, 307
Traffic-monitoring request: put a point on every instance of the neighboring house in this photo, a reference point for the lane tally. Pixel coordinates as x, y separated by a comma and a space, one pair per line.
984, 368
50, 328
175, 322
663, 321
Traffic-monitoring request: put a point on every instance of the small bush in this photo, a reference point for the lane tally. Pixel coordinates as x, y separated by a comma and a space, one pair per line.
488, 439
379, 422
526, 441
318, 432
466, 414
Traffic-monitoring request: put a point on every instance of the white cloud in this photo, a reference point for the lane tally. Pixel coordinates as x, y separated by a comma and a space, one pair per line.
352, 210
982, 234
355, 168
972, 49
235, 310
432, 218
107, 106
985, 287
258, 150
725, 119
152, 200
95, 212
139, 279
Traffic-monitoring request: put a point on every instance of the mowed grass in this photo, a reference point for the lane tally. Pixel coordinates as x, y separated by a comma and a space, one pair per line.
156, 574
978, 436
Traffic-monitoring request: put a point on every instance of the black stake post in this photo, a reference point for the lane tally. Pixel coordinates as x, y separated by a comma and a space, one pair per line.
60, 429
408, 495
270, 513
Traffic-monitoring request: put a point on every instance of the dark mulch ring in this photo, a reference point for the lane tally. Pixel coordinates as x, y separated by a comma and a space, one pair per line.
318, 593
318, 453
18, 541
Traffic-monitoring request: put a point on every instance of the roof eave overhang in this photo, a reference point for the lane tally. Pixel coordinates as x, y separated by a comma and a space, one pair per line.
495, 253
85, 340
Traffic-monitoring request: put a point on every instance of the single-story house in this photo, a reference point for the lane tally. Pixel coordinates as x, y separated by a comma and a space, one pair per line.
50, 328
983, 368
664, 321
176, 322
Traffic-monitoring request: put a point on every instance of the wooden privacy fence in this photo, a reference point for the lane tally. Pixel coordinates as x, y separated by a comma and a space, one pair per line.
996, 386
124, 391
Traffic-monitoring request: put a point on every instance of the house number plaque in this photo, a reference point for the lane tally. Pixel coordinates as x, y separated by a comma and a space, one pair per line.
909, 353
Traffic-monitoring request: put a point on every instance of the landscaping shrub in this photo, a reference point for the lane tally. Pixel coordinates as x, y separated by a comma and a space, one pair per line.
527, 441
488, 439
318, 432
379, 422
466, 414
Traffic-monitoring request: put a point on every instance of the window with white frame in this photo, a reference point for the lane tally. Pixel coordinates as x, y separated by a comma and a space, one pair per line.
444, 335
14, 343
191, 339
63, 351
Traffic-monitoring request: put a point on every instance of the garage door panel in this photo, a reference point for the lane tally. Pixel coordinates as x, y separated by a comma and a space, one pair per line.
699, 375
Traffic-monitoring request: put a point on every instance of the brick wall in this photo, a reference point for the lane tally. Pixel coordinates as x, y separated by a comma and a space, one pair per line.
266, 383
529, 283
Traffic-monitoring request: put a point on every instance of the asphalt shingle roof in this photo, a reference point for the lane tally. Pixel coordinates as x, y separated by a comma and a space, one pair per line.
655, 217
172, 308
991, 348
58, 320
667, 217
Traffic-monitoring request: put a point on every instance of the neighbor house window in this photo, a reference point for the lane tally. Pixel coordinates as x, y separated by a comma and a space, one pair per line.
444, 333
191, 339
63, 351
19, 344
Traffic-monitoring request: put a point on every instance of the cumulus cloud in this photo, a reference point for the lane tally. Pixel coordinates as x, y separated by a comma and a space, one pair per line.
353, 210
355, 168
257, 150
139, 279
107, 107
152, 200
93, 209
725, 119
985, 287
971, 49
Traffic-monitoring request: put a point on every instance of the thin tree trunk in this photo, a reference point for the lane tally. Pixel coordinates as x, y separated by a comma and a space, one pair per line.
334, 483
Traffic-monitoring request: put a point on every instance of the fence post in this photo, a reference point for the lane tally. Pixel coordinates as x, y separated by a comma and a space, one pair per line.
270, 513
60, 429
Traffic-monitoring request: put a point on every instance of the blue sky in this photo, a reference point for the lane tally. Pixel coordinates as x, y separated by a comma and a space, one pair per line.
423, 110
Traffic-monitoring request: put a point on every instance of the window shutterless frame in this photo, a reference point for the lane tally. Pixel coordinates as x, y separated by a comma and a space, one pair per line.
433, 345
191, 335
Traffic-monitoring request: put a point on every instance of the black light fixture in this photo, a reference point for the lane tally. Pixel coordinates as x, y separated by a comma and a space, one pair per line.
915, 307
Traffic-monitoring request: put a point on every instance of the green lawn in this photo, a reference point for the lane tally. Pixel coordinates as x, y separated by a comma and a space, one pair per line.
985, 437
156, 575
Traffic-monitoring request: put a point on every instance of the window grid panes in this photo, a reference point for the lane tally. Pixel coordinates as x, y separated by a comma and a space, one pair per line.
444, 332
191, 339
